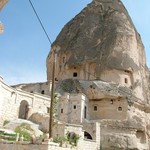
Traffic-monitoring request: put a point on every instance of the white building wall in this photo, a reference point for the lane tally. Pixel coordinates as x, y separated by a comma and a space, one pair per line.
10, 99
71, 108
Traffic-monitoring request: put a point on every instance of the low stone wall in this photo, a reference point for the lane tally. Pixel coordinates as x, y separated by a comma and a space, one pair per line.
32, 147
88, 145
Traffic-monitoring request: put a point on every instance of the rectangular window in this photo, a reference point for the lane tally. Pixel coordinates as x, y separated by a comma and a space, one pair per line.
95, 108
126, 80
75, 74
42, 92
85, 112
48, 110
61, 110
74, 107
111, 101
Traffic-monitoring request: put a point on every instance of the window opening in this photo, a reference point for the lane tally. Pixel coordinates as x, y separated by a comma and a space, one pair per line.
75, 74
126, 80
119, 108
127, 71
87, 135
42, 92
111, 101
95, 108
85, 109
74, 106
61, 110
48, 110
56, 79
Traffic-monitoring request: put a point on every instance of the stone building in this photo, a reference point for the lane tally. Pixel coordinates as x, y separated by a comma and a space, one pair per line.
41, 87
16, 103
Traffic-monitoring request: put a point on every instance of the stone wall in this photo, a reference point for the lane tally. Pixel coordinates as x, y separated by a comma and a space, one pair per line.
73, 108
41, 87
31, 147
88, 145
122, 135
13, 100
83, 143
122, 77
108, 109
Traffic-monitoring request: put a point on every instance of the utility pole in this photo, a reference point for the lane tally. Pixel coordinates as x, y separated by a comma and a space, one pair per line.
51, 119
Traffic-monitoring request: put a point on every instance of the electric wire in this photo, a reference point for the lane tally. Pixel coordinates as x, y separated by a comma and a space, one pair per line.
40, 21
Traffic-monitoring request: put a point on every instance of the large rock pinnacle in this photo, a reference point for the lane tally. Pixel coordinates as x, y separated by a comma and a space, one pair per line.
103, 34
100, 55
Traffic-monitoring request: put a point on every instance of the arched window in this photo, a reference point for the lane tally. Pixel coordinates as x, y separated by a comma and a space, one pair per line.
87, 135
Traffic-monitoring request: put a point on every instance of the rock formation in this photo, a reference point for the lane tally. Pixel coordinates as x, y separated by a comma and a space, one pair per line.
100, 54
104, 35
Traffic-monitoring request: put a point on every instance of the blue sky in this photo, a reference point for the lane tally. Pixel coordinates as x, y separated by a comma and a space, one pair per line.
24, 46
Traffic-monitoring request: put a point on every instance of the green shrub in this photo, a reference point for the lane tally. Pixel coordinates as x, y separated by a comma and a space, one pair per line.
5, 122
24, 130
59, 139
73, 140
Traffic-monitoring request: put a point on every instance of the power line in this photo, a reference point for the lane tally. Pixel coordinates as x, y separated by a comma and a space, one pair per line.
40, 22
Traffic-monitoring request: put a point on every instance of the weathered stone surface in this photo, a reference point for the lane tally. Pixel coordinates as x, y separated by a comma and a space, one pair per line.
13, 124
102, 74
42, 119
95, 89
102, 34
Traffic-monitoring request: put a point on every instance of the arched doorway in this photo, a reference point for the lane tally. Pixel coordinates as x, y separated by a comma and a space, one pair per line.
87, 135
23, 110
